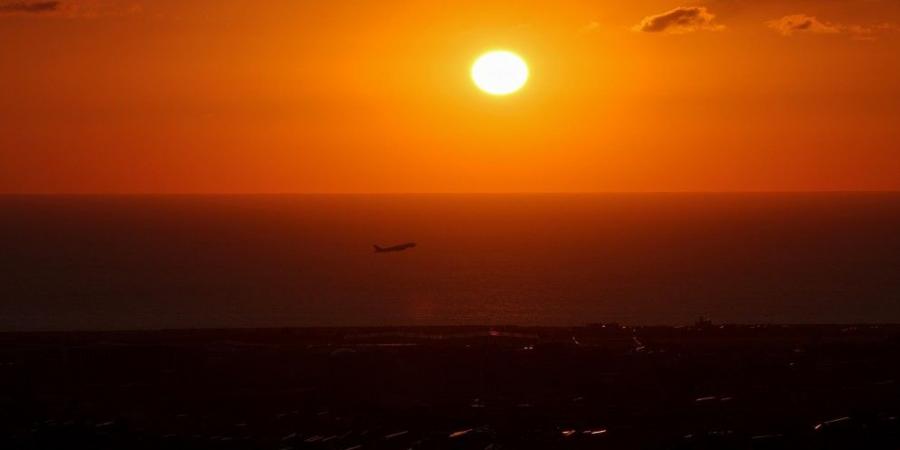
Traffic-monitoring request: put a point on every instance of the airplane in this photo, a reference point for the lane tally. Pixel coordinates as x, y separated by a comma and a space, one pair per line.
395, 248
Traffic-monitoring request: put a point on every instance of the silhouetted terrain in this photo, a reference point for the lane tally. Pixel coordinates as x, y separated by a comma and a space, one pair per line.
588, 387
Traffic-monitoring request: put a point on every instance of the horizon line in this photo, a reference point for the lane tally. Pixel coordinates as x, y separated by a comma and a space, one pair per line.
457, 326
354, 193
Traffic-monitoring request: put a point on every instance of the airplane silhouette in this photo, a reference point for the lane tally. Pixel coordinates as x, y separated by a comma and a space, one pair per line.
395, 248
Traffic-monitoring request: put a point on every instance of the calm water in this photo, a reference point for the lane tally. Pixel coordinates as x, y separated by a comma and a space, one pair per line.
220, 261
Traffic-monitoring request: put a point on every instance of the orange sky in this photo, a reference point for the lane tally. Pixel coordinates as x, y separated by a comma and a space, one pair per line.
374, 96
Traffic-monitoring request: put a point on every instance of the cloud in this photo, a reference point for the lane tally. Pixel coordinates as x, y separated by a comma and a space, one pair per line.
28, 7
70, 8
803, 23
591, 27
684, 19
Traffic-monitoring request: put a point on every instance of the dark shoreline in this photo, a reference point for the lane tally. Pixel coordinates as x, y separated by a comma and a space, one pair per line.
449, 332
705, 386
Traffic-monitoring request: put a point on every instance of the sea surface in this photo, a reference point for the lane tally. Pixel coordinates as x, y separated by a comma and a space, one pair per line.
148, 262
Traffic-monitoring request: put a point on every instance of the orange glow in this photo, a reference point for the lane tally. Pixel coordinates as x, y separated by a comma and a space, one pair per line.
241, 96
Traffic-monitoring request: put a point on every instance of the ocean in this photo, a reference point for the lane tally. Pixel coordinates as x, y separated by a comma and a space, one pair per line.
154, 262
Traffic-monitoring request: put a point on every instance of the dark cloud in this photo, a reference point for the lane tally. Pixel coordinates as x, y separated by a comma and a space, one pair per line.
684, 19
29, 7
71, 9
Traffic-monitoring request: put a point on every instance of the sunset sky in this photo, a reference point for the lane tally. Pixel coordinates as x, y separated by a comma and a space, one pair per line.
235, 96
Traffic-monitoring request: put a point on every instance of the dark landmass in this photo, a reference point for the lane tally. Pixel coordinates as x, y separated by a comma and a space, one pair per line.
599, 386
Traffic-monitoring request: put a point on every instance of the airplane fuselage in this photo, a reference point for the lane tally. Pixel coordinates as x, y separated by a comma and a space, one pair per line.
395, 248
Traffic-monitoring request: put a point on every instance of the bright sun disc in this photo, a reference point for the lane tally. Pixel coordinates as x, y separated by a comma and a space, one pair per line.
499, 72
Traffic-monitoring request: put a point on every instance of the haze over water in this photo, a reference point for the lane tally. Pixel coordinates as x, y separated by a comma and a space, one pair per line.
131, 262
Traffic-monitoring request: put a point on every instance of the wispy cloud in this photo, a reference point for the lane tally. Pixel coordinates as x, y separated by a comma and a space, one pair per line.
684, 19
870, 32
70, 8
28, 7
590, 27
803, 23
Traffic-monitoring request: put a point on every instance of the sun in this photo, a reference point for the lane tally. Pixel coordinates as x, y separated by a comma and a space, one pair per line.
499, 72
